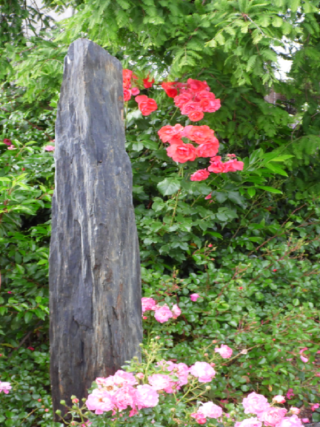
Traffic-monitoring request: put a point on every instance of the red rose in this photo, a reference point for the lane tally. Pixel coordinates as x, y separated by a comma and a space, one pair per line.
200, 175
233, 166
210, 105
126, 94
169, 88
208, 149
181, 153
182, 99
141, 98
197, 85
126, 77
199, 134
146, 105
166, 133
216, 165
148, 83
190, 107
195, 116
204, 95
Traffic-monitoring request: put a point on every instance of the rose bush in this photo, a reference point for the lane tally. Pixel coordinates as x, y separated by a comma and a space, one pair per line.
164, 392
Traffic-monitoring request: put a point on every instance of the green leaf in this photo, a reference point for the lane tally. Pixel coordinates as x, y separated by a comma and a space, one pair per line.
270, 189
293, 5
277, 21
251, 191
281, 158
169, 186
28, 315
276, 169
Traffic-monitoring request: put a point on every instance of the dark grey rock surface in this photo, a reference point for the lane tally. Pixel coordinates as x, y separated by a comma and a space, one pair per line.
95, 295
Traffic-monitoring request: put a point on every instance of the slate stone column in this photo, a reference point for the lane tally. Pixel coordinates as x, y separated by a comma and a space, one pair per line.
95, 295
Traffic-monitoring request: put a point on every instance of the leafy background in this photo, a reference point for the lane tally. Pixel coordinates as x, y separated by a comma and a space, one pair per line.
259, 280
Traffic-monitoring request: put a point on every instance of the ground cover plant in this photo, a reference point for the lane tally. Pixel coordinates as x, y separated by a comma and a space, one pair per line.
229, 260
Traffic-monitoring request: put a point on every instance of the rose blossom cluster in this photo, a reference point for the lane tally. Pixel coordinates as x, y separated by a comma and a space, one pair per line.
118, 392
122, 391
207, 410
266, 414
128, 79
5, 387
193, 98
146, 105
203, 136
162, 313
207, 146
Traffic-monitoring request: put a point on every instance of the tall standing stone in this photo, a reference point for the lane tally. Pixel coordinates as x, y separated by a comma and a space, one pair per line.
95, 296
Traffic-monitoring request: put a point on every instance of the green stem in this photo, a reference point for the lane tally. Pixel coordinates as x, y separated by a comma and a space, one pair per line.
175, 208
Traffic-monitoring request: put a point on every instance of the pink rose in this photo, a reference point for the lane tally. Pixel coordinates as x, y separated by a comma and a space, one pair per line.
255, 404
210, 410
5, 387
175, 311
162, 313
272, 416
294, 411
107, 384
224, 351
99, 401
148, 304
290, 393
160, 382
203, 371
7, 142
182, 371
304, 359
249, 422
49, 148
194, 297
278, 399
293, 421
121, 377
146, 396
12, 147
314, 407
135, 91
305, 420
124, 397
201, 419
